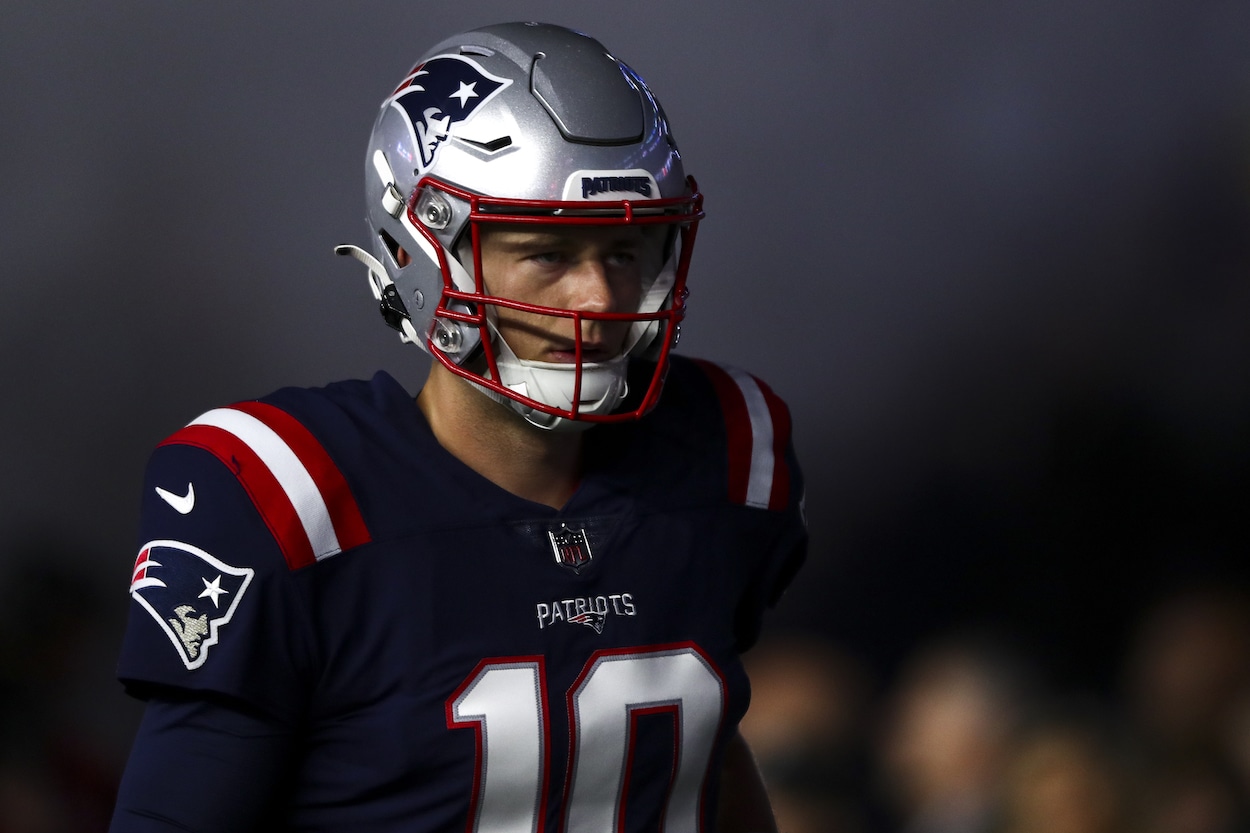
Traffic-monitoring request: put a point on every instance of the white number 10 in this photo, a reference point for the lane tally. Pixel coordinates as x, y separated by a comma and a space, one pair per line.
505, 701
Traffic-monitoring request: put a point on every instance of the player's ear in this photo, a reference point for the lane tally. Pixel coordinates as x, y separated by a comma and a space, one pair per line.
402, 257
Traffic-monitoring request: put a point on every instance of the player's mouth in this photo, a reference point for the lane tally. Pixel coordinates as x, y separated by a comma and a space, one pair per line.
592, 352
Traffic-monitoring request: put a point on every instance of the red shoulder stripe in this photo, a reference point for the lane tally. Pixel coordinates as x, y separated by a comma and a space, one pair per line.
757, 424
779, 496
737, 427
349, 523
299, 491
267, 495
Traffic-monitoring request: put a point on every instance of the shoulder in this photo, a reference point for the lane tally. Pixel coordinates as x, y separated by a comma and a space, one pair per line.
284, 458
237, 506
729, 390
734, 416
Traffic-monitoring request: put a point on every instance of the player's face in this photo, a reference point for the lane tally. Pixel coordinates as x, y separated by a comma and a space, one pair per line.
580, 268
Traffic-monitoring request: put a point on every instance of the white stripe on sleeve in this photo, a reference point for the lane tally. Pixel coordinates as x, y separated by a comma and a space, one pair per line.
291, 474
760, 481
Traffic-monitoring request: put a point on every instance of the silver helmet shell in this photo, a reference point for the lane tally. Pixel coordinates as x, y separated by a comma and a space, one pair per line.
533, 123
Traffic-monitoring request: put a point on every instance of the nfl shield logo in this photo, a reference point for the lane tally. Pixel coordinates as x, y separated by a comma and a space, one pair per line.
570, 547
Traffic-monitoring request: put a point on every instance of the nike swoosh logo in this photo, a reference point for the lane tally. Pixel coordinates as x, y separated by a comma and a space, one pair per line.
182, 504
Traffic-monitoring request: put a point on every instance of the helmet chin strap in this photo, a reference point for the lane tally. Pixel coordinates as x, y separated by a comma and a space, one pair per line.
603, 387
384, 292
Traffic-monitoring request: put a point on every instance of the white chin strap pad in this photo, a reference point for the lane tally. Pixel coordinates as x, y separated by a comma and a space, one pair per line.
603, 387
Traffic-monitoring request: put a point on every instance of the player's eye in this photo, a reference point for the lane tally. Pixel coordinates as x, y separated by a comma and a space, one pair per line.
546, 258
626, 257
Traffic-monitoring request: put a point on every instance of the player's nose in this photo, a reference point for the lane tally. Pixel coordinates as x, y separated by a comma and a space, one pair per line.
592, 287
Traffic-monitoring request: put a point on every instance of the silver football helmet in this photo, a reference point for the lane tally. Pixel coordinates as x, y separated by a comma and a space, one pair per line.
531, 124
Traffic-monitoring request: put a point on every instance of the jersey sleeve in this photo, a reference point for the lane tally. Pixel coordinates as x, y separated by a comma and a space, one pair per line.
783, 556
764, 479
785, 549
199, 766
235, 507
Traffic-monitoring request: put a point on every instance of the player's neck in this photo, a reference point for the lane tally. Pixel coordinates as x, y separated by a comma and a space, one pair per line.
497, 443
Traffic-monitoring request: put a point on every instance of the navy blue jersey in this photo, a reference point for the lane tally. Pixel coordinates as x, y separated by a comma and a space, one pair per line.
450, 657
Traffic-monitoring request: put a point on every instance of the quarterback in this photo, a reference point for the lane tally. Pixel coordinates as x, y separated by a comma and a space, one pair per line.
516, 604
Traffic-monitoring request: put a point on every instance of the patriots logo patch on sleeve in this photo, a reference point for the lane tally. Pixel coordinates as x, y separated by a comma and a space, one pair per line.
189, 593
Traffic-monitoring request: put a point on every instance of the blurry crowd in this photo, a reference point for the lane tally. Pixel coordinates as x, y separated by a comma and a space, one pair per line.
967, 735
65, 724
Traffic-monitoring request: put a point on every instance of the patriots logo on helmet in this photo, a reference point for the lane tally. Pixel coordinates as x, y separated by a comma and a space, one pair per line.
440, 93
189, 593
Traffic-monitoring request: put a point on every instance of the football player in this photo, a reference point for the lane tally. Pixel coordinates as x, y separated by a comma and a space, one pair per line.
519, 603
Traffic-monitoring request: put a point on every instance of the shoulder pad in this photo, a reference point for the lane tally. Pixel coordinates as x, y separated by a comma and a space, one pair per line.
757, 425
296, 487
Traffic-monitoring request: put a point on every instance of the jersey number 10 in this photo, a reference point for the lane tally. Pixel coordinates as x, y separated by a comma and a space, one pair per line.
505, 702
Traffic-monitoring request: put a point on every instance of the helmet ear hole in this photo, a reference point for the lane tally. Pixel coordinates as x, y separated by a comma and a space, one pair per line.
397, 253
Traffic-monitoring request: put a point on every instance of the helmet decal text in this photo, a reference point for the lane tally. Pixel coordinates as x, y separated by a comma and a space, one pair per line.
593, 185
611, 185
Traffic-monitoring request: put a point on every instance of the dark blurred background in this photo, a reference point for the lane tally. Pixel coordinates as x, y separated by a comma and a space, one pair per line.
995, 256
